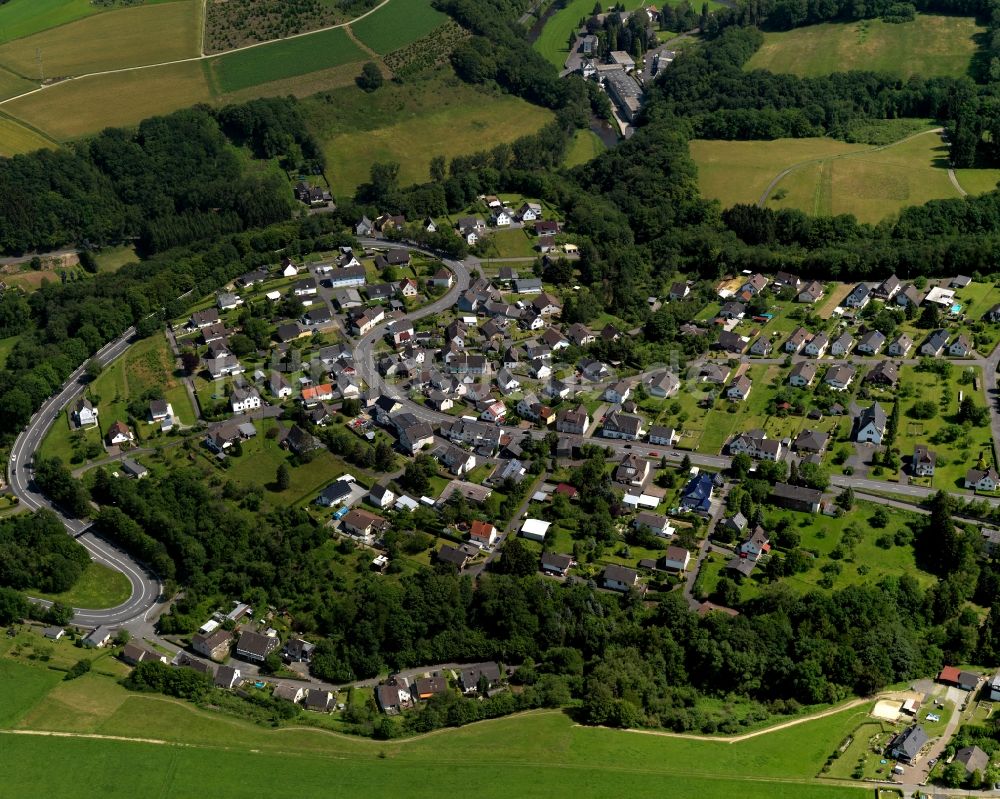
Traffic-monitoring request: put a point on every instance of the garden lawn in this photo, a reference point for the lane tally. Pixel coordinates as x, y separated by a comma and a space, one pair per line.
284, 59
954, 458
63, 441
398, 24
929, 46
142, 34
512, 244
98, 587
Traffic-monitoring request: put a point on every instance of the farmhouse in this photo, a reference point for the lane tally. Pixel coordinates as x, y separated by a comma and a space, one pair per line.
796, 497
982, 479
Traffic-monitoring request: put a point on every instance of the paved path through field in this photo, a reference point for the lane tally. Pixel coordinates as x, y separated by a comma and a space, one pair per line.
781, 175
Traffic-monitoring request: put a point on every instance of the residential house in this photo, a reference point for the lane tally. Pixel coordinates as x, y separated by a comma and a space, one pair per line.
255, 647
527, 285
455, 459
213, 645
923, 461
546, 305
554, 339
756, 544
982, 479
935, 343
871, 342
632, 469
679, 291
119, 434
622, 426
796, 340
134, 654
243, 400
452, 556
754, 284
618, 392
961, 347
227, 301
973, 759
200, 319
619, 578
290, 693
817, 345
730, 342
796, 497
993, 314
911, 295
663, 384
739, 389
731, 310
802, 374
131, 468
842, 345
482, 534
696, 495
810, 441
213, 334
900, 346
228, 677
279, 386
858, 298
381, 496
300, 442
762, 347
98, 637
319, 701
811, 293
334, 494
839, 378
870, 424
580, 335
662, 436
887, 289
393, 697
297, 650
443, 278
425, 688
655, 523
305, 288
574, 422
964, 680
480, 676
675, 559
784, 280
884, 374
314, 395
85, 413
906, 746
556, 564
362, 524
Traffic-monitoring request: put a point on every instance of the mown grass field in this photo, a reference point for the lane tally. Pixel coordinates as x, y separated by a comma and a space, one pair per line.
929, 46
412, 123
586, 145
536, 754
832, 177
16, 138
146, 34
87, 105
739, 171
284, 59
398, 24
978, 181
871, 185
98, 587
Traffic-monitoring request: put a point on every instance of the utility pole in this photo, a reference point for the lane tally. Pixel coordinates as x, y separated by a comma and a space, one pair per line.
38, 60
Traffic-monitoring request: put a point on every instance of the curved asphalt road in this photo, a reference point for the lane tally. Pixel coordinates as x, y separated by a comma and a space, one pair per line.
146, 589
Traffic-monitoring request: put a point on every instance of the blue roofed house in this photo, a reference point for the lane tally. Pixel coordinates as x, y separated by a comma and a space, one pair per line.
697, 494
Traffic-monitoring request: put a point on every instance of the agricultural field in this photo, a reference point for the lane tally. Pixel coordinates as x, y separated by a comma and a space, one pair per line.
145, 34
397, 25
82, 106
232, 25
929, 46
284, 59
16, 138
411, 124
507, 752
12, 84
586, 146
20, 18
